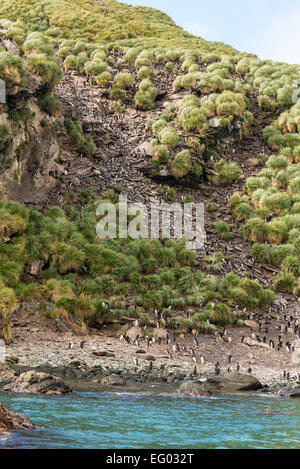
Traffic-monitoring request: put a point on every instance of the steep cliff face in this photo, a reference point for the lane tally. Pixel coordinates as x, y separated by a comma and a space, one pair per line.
29, 147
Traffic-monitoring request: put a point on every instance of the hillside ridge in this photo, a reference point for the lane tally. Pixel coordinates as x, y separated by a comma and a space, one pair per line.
103, 100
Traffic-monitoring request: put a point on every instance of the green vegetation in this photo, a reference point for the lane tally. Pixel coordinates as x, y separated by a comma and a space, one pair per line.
77, 138
130, 54
91, 280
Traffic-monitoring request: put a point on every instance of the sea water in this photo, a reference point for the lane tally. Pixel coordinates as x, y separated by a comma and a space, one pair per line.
116, 420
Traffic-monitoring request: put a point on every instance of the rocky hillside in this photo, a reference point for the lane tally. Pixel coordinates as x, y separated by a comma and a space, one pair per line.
103, 98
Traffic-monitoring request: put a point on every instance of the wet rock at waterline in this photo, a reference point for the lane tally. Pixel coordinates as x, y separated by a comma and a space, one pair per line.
33, 382
232, 383
10, 421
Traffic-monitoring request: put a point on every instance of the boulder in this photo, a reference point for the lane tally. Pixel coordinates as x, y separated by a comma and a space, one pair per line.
194, 389
34, 382
160, 333
255, 343
295, 394
10, 421
36, 267
232, 383
133, 332
145, 148
252, 325
112, 380
223, 383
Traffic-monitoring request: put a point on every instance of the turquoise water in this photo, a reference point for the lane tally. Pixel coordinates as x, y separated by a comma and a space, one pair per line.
110, 420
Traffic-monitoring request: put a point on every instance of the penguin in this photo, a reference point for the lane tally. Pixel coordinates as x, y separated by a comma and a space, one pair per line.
279, 346
195, 360
151, 366
192, 352
122, 337
271, 343
238, 367
196, 342
159, 341
284, 375
169, 355
250, 370
174, 348
217, 369
202, 360
136, 323
135, 361
82, 343
230, 359
230, 370
183, 348
71, 345
148, 341
195, 371
242, 339
288, 347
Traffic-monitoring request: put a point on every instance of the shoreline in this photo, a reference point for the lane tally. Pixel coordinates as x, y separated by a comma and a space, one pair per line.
43, 346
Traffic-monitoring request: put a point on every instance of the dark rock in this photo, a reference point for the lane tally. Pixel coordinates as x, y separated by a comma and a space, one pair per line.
10, 421
113, 380
233, 382
295, 394
34, 382
194, 388
230, 383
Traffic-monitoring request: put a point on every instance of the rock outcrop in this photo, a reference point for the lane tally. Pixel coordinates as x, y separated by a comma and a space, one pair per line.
234, 382
34, 382
10, 421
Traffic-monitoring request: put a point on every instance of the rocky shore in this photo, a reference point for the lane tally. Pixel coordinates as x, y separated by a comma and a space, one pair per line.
48, 358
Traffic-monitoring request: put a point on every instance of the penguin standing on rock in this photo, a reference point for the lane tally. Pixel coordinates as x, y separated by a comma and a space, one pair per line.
71, 345
217, 369
135, 361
